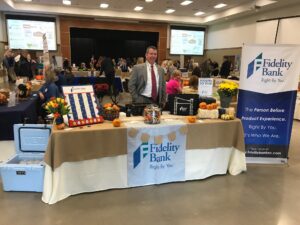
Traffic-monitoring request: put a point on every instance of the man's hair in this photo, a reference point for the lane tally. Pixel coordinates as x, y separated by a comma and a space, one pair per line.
151, 47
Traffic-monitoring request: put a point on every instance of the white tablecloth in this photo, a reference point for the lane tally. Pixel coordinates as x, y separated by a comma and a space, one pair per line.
111, 172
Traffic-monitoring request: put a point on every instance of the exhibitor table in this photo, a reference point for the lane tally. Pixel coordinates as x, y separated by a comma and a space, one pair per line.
94, 158
24, 109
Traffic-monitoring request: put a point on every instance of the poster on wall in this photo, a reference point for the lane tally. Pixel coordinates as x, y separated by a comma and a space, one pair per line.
266, 101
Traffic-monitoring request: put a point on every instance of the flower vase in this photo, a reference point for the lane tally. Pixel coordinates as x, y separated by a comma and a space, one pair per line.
225, 101
59, 123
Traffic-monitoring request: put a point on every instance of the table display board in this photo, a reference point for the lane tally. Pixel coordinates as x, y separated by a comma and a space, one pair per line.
82, 102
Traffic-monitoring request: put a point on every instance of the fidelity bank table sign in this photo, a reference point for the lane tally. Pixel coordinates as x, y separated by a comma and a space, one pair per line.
155, 153
268, 90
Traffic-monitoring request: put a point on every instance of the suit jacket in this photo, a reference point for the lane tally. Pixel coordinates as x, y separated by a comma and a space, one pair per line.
138, 81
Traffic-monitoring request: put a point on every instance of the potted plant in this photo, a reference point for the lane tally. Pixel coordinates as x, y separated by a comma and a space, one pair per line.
226, 91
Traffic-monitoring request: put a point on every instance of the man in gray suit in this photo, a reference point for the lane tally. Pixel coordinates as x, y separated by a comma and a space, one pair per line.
144, 76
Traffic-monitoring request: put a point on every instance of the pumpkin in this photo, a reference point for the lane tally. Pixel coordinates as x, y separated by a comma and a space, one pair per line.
39, 77
202, 105
227, 117
209, 107
115, 107
191, 119
107, 105
116, 122
215, 105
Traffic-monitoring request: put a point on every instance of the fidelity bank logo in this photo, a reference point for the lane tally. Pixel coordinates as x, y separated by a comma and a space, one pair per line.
157, 152
255, 64
274, 67
139, 153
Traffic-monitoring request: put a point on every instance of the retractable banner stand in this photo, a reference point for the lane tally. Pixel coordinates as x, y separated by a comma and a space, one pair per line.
266, 101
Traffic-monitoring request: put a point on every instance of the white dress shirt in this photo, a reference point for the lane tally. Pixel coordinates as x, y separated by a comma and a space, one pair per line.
148, 89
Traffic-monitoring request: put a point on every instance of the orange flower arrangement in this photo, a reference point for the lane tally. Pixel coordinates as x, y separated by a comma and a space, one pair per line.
58, 107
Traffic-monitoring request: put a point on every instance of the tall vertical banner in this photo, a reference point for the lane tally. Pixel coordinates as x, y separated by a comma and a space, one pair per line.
266, 101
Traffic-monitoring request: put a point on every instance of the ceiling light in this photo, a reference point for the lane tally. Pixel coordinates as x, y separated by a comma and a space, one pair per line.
148, 0
104, 5
66, 2
221, 5
138, 8
199, 13
27, 0
262, 3
186, 2
170, 11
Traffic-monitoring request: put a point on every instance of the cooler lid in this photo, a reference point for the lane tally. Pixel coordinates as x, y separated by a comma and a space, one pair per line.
31, 138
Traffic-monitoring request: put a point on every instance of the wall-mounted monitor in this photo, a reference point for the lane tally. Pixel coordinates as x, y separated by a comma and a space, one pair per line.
26, 32
187, 40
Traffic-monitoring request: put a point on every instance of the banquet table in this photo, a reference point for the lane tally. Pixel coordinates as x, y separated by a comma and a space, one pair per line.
85, 73
94, 158
10, 115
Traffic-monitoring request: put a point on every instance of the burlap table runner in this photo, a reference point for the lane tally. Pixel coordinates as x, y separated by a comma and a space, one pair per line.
104, 140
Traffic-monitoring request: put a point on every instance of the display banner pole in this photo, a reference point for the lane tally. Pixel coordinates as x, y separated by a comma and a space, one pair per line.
46, 57
266, 101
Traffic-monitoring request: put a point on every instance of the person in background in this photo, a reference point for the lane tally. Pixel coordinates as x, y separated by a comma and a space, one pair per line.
164, 65
193, 86
140, 60
170, 69
147, 83
205, 68
196, 70
49, 89
123, 65
65, 78
66, 63
190, 64
176, 64
108, 67
25, 65
53, 62
83, 67
9, 64
32, 66
174, 84
214, 68
225, 68
114, 62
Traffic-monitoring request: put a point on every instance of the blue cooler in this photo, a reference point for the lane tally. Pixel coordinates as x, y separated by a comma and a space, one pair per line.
25, 171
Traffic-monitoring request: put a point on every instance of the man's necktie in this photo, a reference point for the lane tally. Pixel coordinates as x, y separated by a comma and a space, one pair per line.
154, 88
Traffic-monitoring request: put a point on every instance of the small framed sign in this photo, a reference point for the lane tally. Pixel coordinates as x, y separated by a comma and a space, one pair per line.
205, 87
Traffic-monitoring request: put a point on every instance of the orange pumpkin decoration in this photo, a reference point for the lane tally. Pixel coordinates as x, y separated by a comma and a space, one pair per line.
116, 122
39, 77
215, 105
107, 105
209, 106
115, 107
203, 105
191, 119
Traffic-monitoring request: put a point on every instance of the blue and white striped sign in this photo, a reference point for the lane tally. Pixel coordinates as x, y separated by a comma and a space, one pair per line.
83, 105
